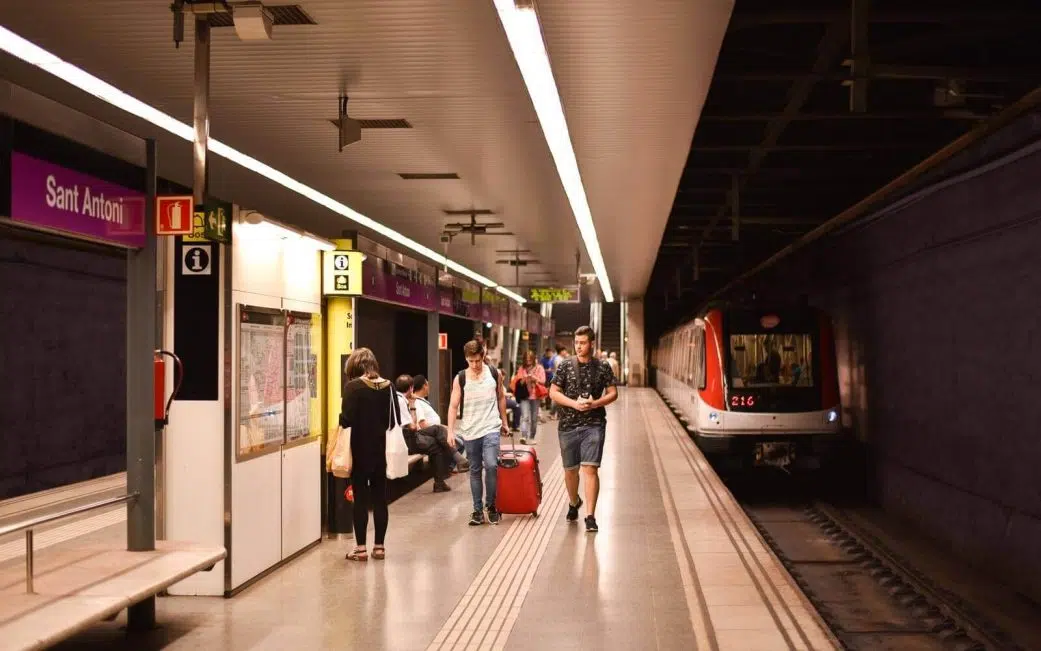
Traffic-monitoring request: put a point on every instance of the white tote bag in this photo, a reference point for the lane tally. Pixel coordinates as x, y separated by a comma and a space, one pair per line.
341, 461
397, 450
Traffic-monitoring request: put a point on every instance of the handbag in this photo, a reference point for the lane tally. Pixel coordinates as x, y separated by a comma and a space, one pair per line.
341, 461
397, 449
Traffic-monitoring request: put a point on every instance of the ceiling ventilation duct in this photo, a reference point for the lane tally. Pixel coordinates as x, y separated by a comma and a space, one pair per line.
252, 21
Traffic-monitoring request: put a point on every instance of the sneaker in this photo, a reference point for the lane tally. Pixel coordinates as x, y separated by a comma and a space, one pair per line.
591, 524
441, 487
572, 510
523, 441
477, 519
494, 516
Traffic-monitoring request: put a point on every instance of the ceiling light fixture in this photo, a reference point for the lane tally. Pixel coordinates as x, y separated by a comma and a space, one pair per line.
520, 21
33, 54
508, 294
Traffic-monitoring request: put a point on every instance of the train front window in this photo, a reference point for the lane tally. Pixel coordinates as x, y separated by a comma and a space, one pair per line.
771, 360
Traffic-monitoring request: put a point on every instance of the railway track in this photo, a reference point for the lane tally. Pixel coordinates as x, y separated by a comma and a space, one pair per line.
870, 597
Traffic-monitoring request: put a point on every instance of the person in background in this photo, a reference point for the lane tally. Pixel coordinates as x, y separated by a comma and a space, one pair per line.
612, 361
547, 368
366, 408
527, 383
428, 421
418, 441
481, 426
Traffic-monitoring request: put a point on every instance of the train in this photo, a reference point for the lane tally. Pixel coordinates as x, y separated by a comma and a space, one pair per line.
755, 385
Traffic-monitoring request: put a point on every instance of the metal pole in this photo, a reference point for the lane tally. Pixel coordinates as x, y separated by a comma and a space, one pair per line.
141, 315
433, 358
202, 107
28, 561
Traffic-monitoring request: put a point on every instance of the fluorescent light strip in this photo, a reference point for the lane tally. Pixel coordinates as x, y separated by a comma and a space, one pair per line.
508, 294
33, 54
525, 37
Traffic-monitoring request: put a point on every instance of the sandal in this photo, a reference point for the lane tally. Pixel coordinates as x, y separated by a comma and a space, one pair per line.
379, 552
359, 554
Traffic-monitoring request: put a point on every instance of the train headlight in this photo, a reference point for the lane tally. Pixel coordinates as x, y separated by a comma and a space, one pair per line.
832, 416
713, 416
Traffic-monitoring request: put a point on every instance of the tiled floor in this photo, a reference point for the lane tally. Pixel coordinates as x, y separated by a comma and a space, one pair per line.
676, 565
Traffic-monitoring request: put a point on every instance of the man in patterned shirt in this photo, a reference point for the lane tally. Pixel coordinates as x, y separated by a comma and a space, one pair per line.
582, 387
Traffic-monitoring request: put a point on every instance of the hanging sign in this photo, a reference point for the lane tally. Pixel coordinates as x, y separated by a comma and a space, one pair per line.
568, 294
341, 273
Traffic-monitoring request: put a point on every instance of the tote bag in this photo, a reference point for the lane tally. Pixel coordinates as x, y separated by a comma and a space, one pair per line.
340, 461
397, 450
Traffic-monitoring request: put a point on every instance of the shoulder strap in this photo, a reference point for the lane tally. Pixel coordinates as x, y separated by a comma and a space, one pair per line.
461, 377
394, 409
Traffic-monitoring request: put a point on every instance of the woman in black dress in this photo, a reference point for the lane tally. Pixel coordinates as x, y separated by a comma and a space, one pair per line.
367, 401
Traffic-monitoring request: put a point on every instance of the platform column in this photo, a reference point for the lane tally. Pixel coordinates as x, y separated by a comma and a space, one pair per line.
141, 344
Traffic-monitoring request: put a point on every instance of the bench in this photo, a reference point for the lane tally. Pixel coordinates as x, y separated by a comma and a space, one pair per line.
75, 588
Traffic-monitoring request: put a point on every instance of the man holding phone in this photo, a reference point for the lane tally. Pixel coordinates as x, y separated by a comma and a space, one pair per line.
582, 387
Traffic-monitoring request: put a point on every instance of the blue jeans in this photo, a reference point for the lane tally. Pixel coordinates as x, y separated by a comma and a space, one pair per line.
529, 410
515, 415
483, 455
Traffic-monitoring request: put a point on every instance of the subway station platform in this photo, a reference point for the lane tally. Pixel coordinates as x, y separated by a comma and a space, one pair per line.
675, 565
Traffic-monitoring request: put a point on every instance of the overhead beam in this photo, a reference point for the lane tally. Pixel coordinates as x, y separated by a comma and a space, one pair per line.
939, 16
761, 149
880, 71
936, 114
858, 91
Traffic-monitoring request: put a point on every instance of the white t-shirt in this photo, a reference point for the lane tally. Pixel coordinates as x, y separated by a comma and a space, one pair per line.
480, 407
406, 415
426, 412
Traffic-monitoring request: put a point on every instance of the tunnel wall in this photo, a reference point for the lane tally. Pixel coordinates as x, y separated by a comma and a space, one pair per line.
937, 306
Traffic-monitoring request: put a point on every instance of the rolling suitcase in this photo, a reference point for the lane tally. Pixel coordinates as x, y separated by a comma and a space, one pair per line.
519, 481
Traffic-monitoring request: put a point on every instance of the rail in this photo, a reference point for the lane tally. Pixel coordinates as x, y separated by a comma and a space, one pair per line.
29, 525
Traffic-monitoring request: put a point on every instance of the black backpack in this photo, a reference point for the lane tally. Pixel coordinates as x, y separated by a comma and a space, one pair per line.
461, 376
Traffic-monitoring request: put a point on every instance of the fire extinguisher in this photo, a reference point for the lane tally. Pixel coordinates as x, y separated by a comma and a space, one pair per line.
162, 411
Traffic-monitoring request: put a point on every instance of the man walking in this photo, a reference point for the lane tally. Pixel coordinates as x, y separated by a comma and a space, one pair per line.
477, 414
582, 387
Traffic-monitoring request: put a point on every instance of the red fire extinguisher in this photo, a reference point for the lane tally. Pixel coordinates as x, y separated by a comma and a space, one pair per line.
161, 409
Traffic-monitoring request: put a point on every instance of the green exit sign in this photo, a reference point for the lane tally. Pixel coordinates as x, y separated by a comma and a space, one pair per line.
553, 294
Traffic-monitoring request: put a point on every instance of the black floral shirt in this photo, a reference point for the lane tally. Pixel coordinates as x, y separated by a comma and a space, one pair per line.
574, 379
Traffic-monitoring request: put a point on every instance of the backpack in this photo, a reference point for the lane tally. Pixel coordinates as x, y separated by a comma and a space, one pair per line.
461, 376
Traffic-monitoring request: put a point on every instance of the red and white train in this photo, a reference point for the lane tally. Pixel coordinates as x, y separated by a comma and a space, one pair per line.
754, 384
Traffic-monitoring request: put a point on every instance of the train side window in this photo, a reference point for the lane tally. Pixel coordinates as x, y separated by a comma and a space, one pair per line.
699, 356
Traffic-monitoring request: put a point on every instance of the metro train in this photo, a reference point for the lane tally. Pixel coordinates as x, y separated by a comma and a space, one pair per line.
754, 385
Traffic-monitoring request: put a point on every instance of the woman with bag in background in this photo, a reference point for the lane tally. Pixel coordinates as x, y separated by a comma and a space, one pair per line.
366, 409
529, 388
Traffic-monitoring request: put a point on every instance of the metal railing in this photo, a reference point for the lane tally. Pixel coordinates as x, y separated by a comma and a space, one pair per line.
29, 525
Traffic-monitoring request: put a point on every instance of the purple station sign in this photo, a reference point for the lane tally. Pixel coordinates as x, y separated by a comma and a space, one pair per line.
380, 284
55, 198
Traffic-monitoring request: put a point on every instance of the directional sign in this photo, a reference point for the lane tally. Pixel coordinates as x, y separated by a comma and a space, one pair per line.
341, 273
195, 260
554, 294
173, 215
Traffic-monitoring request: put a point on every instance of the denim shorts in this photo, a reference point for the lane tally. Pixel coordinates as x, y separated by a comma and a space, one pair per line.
582, 446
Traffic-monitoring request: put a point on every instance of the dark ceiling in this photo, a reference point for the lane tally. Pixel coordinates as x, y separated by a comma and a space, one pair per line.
787, 139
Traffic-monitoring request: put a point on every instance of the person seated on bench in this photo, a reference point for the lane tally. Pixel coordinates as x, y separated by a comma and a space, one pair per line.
429, 422
417, 441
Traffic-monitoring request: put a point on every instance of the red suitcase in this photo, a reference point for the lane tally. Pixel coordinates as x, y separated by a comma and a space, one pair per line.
519, 489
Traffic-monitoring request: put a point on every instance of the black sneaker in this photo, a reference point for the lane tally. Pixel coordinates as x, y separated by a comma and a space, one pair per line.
494, 516
572, 510
591, 524
441, 487
477, 519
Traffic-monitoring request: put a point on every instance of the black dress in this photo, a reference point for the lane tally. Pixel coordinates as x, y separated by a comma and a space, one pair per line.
366, 410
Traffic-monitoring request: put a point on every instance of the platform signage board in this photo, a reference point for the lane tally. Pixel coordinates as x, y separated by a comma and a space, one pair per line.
341, 273
566, 294
54, 198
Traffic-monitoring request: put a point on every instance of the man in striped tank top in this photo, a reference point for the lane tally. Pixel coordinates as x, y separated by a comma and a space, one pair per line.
477, 414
